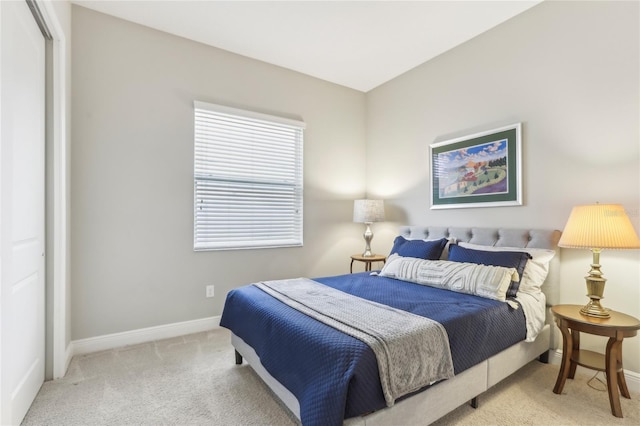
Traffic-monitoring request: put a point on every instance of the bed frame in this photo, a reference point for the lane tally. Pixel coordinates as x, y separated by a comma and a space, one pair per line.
444, 397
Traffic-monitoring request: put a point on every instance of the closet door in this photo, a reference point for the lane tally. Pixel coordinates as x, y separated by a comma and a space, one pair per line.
22, 133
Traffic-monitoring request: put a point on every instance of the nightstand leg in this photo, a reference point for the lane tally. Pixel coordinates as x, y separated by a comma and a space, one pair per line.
622, 382
567, 347
614, 346
575, 347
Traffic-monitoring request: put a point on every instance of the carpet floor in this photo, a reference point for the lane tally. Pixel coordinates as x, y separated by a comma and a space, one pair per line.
193, 380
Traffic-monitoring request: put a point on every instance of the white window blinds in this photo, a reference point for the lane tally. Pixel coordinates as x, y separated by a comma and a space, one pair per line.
247, 179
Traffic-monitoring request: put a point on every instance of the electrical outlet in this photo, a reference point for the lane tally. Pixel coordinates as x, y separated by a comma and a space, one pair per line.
210, 291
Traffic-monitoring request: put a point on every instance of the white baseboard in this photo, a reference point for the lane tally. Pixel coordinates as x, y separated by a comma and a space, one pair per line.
632, 378
142, 335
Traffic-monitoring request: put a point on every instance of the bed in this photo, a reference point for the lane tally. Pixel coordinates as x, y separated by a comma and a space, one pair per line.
327, 375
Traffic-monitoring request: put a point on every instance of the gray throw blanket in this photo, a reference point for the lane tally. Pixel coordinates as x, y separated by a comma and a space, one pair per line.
412, 351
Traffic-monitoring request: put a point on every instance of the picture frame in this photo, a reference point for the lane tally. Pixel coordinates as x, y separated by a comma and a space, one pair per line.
479, 170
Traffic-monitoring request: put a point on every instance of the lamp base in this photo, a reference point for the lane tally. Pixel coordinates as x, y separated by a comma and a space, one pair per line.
368, 236
595, 290
594, 309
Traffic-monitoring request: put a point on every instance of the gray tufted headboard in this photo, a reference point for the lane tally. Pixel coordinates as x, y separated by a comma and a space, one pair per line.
499, 237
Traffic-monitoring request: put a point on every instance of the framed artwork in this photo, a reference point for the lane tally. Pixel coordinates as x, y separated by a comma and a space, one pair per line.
479, 170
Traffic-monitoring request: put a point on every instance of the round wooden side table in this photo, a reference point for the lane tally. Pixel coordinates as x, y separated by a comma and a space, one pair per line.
571, 322
368, 260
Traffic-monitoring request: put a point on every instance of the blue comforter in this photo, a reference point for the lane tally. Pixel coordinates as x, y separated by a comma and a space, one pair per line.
335, 376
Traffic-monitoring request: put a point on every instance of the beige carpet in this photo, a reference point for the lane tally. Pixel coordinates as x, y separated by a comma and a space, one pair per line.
192, 380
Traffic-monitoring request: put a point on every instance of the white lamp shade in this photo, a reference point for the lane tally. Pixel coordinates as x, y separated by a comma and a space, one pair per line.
599, 226
368, 211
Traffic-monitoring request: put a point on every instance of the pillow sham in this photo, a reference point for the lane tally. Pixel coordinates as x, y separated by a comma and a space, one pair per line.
421, 249
507, 259
490, 282
536, 271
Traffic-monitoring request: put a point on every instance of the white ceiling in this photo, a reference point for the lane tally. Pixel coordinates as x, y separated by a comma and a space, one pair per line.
357, 44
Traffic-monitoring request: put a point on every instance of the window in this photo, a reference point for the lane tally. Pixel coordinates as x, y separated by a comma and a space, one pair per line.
247, 179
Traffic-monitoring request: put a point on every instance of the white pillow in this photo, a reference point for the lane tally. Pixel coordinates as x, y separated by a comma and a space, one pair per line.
486, 281
537, 267
391, 266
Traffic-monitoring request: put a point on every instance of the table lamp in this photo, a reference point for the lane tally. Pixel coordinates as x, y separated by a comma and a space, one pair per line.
597, 227
367, 212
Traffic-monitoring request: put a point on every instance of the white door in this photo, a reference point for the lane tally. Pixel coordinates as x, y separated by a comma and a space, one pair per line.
22, 132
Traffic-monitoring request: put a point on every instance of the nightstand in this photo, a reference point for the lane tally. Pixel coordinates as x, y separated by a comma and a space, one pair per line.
368, 260
571, 322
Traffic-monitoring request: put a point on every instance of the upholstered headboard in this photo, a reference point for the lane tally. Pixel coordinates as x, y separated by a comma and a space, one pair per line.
499, 237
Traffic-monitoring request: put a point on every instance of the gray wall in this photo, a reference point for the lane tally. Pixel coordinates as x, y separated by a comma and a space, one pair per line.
133, 264
569, 71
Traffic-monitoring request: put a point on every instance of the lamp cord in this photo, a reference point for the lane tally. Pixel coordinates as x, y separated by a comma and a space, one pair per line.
595, 378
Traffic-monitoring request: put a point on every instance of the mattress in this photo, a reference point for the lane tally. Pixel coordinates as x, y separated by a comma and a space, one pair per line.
335, 376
